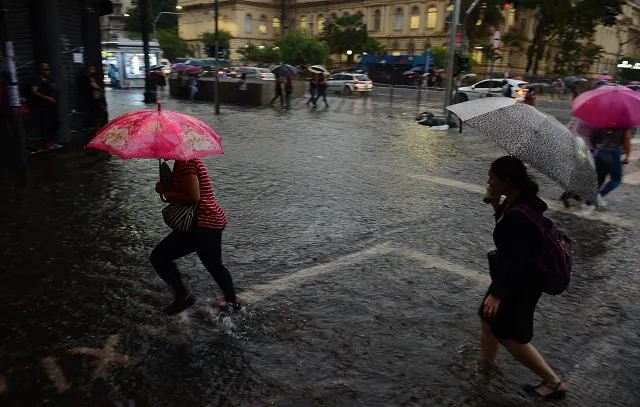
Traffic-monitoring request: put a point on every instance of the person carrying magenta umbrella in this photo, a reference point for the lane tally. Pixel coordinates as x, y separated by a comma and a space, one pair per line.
192, 212
613, 111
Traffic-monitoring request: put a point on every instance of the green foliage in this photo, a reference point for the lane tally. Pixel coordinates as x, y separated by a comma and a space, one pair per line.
266, 54
575, 57
299, 48
133, 23
373, 45
172, 45
348, 32
224, 39
482, 20
440, 55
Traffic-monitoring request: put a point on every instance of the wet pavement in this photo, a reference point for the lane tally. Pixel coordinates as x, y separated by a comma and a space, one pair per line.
357, 237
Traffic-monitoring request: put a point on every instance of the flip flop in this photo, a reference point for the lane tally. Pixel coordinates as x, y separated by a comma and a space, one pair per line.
555, 393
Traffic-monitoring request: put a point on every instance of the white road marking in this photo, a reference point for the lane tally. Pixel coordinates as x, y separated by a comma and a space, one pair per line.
442, 263
105, 356
55, 373
554, 206
293, 280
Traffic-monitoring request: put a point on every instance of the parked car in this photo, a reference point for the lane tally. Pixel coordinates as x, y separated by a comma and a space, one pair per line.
252, 73
348, 83
492, 87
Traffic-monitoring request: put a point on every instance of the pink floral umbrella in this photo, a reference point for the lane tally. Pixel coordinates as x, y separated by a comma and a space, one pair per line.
608, 107
604, 78
160, 134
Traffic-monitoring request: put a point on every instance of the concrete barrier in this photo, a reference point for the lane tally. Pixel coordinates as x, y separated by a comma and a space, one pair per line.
260, 92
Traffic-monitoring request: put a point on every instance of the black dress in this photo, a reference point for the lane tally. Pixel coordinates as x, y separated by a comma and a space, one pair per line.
514, 281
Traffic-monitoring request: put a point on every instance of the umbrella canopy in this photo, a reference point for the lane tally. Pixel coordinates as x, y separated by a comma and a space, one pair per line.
194, 62
156, 67
157, 134
604, 78
319, 69
285, 70
537, 139
180, 67
570, 80
634, 83
608, 107
193, 69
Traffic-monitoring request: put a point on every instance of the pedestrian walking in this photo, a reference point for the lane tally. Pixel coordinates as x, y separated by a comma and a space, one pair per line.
609, 145
45, 106
288, 91
191, 186
322, 91
279, 83
508, 307
313, 90
243, 90
92, 97
194, 86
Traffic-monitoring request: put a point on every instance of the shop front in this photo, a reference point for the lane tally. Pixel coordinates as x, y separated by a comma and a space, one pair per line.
123, 62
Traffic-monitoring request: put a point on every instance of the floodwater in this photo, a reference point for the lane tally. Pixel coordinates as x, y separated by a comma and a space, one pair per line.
358, 240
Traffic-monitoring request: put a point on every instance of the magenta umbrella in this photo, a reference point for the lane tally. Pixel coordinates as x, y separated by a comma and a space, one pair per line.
604, 78
634, 83
608, 107
180, 67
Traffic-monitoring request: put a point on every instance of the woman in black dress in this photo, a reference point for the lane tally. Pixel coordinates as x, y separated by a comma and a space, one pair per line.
508, 307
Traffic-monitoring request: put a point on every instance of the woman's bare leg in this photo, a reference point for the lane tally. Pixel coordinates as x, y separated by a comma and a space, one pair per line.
531, 358
490, 345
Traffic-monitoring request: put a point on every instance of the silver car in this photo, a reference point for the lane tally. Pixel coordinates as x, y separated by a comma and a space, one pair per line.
492, 87
348, 83
253, 73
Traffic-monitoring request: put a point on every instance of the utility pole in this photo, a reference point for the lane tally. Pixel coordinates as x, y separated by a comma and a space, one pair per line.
283, 17
216, 86
452, 52
14, 129
149, 88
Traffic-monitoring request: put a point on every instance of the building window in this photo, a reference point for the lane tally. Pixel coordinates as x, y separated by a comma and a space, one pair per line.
276, 25
321, 21
263, 24
450, 8
411, 48
247, 23
303, 23
512, 17
399, 19
377, 20
432, 17
414, 24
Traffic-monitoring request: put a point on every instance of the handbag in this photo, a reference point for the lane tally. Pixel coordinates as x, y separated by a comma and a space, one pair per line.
179, 217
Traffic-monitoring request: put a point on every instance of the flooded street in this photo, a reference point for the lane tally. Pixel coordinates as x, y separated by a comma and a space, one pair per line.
357, 238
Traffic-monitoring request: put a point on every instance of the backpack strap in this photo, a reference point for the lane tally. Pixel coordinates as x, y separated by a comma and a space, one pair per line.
535, 217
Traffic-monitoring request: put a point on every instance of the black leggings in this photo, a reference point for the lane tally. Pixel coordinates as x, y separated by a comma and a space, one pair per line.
207, 243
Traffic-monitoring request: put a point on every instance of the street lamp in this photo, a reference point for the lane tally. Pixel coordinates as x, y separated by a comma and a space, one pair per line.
349, 52
155, 20
125, 15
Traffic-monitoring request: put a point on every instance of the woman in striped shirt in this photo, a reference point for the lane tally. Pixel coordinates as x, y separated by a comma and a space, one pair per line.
191, 185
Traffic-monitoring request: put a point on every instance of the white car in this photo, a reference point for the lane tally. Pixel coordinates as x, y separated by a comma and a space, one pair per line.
492, 87
348, 83
253, 73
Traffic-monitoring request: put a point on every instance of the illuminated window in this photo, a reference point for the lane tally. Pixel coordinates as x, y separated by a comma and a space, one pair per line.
247, 23
377, 20
263, 24
303, 23
512, 17
414, 23
432, 17
450, 8
399, 19
276, 26
321, 21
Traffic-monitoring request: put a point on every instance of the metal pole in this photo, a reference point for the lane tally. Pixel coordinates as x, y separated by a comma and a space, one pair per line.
149, 91
452, 52
15, 129
493, 60
464, 22
216, 86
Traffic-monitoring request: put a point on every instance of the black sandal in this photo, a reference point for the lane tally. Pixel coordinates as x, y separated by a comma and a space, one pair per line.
555, 390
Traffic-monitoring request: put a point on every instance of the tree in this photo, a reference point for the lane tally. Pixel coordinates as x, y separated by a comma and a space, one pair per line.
373, 45
166, 21
224, 39
480, 23
254, 53
347, 32
440, 56
299, 48
172, 45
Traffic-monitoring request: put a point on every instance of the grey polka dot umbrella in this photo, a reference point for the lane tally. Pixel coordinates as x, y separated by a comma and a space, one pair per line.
536, 138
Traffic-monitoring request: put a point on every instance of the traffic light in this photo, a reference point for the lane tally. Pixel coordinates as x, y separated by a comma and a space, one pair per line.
510, 4
461, 64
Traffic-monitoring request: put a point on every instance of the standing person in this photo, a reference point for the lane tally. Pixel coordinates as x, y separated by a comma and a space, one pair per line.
113, 75
279, 83
609, 146
162, 80
322, 91
288, 91
243, 89
506, 88
191, 186
194, 86
92, 97
508, 307
313, 90
45, 106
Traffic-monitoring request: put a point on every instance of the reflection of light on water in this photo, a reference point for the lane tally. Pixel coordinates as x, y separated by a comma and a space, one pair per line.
420, 141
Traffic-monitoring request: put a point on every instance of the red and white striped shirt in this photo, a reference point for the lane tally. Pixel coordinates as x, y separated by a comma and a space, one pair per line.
209, 214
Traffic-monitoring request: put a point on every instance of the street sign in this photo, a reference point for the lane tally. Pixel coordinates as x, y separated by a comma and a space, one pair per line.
496, 40
458, 39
